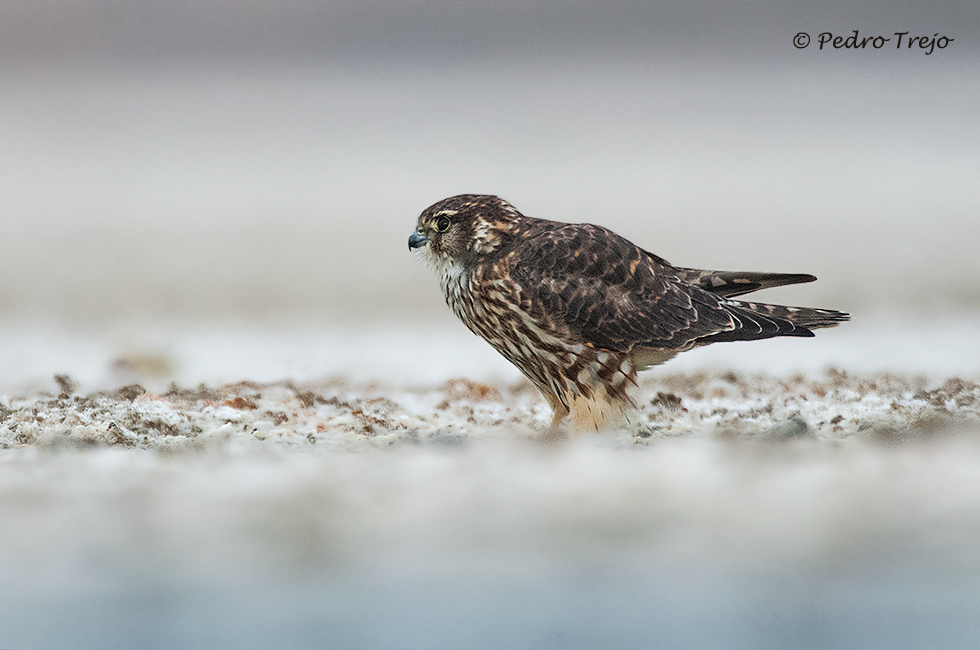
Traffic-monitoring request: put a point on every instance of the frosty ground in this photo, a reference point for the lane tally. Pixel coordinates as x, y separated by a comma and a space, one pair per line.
741, 509
830, 410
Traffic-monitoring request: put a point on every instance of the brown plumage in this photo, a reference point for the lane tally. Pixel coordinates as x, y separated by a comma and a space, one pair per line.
580, 310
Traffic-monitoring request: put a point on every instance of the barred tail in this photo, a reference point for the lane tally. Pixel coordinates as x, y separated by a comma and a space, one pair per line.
754, 321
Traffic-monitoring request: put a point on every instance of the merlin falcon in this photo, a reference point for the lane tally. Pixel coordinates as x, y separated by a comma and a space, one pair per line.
580, 310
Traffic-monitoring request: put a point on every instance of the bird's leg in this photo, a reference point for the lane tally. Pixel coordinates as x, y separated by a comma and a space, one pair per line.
554, 433
560, 414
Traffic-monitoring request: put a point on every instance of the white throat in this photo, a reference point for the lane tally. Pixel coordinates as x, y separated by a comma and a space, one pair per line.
450, 272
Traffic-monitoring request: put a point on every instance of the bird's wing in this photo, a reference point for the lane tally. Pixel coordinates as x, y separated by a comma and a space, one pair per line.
612, 294
729, 284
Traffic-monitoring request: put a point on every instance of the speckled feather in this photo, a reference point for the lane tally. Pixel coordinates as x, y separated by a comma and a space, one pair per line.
579, 309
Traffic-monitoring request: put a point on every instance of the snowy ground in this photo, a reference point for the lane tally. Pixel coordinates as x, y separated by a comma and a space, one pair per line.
751, 506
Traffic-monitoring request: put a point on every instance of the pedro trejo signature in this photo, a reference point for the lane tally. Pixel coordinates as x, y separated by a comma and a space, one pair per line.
855, 41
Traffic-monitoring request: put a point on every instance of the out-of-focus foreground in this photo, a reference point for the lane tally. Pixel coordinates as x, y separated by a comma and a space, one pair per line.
740, 511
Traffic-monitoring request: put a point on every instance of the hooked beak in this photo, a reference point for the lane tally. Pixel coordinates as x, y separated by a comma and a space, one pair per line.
416, 240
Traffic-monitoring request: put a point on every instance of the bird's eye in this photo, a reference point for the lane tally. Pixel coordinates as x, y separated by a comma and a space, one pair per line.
442, 225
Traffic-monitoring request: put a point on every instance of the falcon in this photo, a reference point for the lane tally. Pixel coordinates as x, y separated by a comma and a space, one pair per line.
580, 310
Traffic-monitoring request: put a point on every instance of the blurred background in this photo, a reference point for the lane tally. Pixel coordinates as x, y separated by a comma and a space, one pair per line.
258, 166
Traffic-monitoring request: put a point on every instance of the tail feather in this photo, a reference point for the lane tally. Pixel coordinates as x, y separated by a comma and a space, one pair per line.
755, 321
806, 317
730, 284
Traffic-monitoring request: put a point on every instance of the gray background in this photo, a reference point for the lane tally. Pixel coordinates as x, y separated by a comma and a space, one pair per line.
259, 160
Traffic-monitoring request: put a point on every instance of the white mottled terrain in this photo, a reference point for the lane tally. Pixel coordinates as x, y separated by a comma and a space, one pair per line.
750, 508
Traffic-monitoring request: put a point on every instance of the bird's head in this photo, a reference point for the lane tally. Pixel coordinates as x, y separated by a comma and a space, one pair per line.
463, 229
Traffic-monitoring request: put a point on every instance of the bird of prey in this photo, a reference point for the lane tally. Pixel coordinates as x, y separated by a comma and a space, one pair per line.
580, 310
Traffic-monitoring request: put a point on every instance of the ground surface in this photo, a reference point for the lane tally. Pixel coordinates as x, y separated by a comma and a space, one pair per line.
739, 511
829, 409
